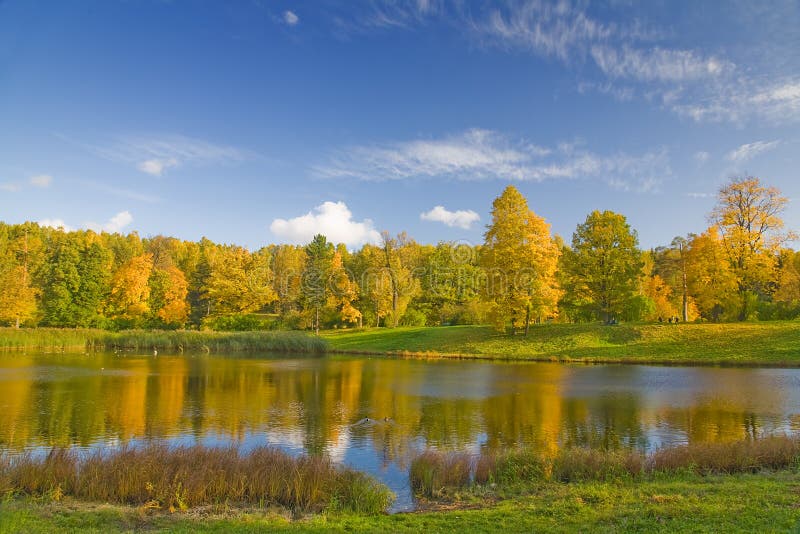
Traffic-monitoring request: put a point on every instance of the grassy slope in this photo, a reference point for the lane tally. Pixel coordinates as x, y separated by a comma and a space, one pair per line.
776, 343
740, 503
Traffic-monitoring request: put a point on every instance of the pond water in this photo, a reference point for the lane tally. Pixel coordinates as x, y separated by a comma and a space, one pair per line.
374, 414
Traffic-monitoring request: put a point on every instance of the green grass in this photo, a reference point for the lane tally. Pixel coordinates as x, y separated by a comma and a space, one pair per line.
172, 341
767, 343
767, 502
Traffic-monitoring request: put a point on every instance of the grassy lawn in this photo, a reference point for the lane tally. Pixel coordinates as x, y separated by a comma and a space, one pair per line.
727, 503
775, 343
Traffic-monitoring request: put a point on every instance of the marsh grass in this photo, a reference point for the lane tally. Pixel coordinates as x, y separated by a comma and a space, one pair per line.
774, 452
157, 476
432, 473
167, 341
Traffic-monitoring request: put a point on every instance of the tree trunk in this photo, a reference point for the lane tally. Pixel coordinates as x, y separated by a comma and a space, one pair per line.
527, 319
316, 326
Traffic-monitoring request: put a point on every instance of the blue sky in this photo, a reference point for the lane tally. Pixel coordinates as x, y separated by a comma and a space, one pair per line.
257, 122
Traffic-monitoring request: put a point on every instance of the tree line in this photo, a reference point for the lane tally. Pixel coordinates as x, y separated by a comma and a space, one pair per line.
739, 268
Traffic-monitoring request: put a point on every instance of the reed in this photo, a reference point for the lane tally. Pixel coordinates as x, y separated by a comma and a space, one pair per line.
432, 473
182, 478
438, 474
774, 452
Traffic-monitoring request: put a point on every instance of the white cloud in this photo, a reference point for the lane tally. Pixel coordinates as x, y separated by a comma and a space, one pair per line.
332, 219
156, 166
459, 218
487, 155
702, 156
700, 195
113, 225
751, 150
290, 18
10, 187
55, 223
41, 180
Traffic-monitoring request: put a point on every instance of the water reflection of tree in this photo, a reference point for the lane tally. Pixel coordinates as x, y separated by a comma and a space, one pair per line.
609, 422
314, 404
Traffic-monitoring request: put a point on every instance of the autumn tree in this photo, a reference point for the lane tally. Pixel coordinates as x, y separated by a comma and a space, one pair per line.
375, 285
604, 265
397, 269
520, 258
17, 291
130, 290
240, 282
168, 292
748, 217
288, 263
342, 292
710, 278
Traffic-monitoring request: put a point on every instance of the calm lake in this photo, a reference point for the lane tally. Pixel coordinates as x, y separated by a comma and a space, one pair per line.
374, 414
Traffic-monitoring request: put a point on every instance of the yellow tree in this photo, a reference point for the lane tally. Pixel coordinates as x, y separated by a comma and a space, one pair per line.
343, 291
240, 282
130, 288
520, 259
747, 215
288, 262
168, 292
397, 256
711, 281
17, 292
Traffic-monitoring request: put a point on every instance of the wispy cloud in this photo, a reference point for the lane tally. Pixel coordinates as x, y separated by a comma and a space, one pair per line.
487, 155
11, 187
632, 59
657, 64
751, 150
155, 155
332, 219
120, 192
459, 218
701, 156
700, 195
41, 180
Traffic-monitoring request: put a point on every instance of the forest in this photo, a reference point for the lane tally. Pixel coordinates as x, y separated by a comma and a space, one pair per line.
738, 268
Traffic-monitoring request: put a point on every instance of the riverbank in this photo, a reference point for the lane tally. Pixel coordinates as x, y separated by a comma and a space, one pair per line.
165, 341
765, 502
774, 343
759, 344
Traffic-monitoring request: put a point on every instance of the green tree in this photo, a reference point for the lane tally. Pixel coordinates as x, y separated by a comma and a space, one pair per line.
604, 266
520, 259
315, 288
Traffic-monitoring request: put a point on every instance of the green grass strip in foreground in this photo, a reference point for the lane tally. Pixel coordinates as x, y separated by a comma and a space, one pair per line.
765, 502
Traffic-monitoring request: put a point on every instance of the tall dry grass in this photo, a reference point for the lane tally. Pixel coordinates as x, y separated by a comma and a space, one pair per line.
432, 474
185, 477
